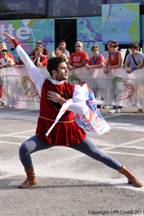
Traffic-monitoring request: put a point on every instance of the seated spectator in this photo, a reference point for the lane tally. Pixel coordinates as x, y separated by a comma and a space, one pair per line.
114, 60
79, 58
5, 60
134, 61
105, 54
97, 60
4, 47
63, 46
45, 51
59, 53
39, 59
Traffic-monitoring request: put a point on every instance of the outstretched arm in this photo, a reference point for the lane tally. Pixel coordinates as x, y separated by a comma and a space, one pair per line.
35, 75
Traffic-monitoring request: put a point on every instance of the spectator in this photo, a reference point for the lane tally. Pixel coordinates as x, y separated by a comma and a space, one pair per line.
20, 63
5, 60
59, 53
114, 60
79, 58
45, 51
134, 61
3, 46
63, 46
39, 59
105, 54
97, 60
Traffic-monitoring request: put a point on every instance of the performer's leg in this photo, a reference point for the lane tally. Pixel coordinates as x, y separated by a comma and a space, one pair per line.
28, 147
89, 148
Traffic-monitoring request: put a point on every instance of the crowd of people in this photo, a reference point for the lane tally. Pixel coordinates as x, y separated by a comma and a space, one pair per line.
110, 59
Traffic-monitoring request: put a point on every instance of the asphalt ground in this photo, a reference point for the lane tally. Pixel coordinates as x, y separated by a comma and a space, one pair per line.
69, 182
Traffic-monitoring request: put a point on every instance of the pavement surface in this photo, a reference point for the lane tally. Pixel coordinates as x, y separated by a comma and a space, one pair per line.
69, 182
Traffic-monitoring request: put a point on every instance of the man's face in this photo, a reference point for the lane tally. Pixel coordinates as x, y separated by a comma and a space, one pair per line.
4, 55
95, 52
133, 50
63, 45
78, 47
39, 43
62, 73
38, 53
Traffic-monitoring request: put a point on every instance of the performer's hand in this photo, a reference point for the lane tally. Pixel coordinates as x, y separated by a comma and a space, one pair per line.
53, 96
8, 36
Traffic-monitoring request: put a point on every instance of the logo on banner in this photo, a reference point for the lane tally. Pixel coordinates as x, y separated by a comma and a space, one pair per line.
123, 90
29, 86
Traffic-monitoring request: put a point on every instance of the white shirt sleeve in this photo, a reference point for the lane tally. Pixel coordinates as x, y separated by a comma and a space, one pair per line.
79, 101
35, 75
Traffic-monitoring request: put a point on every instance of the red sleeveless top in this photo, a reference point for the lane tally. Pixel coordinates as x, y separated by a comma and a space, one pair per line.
114, 61
66, 131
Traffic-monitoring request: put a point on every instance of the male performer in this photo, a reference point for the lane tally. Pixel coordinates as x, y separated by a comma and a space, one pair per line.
53, 94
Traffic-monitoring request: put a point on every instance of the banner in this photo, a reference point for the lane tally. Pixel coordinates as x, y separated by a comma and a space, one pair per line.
116, 88
16, 88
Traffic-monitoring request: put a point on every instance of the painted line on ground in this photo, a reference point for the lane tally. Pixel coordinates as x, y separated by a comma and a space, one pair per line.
126, 126
5, 116
123, 144
113, 115
11, 134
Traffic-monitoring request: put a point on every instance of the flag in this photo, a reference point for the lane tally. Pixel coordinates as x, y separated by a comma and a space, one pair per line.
91, 121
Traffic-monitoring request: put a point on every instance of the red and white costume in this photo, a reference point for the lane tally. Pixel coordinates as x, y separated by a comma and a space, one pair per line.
66, 131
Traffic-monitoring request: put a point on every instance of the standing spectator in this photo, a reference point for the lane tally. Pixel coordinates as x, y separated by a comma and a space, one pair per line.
3, 46
105, 54
79, 58
5, 60
114, 60
39, 59
45, 51
134, 61
65, 51
97, 60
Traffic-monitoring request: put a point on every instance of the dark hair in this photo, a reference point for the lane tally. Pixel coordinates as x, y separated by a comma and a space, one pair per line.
95, 47
53, 63
5, 50
62, 41
109, 41
115, 42
134, 45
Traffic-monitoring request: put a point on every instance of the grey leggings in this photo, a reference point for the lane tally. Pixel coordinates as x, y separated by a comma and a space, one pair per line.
86, 146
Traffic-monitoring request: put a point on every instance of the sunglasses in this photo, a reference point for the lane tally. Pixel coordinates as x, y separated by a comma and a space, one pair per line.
78, 46
39, 43
113, 46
